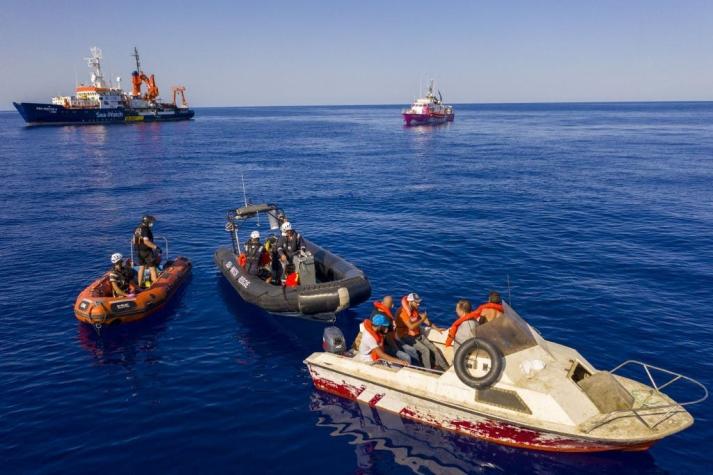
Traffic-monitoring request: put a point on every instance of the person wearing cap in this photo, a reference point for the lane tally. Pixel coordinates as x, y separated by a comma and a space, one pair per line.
408, 328
121, 276
148, 252
464, 327
370, 346
288, 244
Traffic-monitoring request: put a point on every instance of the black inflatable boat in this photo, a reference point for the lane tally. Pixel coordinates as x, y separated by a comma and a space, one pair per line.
328, 283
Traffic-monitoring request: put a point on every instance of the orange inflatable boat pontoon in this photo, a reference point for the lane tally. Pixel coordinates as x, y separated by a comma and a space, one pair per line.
97, 305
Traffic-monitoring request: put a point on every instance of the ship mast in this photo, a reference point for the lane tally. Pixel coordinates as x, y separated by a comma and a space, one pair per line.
94, 62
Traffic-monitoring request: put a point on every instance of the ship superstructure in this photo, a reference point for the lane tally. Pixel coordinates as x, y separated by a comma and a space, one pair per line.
100, 102
428, 110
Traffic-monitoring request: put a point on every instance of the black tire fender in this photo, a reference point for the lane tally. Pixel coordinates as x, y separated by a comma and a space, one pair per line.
497, 363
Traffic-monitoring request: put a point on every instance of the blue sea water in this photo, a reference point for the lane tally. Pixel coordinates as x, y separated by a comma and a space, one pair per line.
600, 216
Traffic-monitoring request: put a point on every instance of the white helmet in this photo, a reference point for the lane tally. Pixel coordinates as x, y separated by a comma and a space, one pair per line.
116, 257
286, 226
255, 235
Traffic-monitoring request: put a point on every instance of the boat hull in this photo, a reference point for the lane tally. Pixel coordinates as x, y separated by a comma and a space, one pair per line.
481, 426
427, 119
314, 302
50, 114
94, 309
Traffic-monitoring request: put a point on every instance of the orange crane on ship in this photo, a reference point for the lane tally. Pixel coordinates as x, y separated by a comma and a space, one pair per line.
138, 77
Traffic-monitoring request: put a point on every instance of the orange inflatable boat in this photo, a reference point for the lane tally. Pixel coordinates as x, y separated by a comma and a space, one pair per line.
97, 305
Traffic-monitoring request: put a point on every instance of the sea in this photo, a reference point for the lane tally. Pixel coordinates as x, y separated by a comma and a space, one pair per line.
595, 220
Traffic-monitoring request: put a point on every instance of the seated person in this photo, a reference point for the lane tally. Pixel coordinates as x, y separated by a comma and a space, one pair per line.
483, 314
408, 329
292, 278
370, 346
466, 330
121, 277
393, 345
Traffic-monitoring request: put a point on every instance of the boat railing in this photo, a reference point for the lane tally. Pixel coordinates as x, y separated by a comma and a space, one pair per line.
165, 252
666, 411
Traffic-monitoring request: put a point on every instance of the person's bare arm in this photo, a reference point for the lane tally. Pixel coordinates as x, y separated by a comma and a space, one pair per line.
148, 242
117, 290
386, 357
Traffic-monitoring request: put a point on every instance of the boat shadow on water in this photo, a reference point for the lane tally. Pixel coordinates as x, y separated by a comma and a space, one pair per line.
123, 344
425, 449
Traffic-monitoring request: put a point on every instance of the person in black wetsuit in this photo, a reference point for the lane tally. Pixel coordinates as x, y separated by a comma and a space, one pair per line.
121, 276
254, 254
289, 244
148, 252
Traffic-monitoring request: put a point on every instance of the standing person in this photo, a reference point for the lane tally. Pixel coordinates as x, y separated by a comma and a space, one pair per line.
371, 341
392, 344
254, 254
485, 313
289, 244
121, 276
408, 328
148, 252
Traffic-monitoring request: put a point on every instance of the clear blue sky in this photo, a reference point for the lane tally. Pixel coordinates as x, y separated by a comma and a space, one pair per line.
367, 52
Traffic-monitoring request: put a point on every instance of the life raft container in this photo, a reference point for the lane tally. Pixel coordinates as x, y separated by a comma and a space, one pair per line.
97, 306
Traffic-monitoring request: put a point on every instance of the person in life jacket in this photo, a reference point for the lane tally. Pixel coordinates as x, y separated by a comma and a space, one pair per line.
464, 327
371, 341
392, 344
408, 329
293, 278
121, 276
148, 252
289, 244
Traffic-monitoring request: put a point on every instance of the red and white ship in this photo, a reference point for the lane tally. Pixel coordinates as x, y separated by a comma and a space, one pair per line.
524, 391
428, 110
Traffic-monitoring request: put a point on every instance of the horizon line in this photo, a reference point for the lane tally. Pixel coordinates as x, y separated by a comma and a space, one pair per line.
454, 103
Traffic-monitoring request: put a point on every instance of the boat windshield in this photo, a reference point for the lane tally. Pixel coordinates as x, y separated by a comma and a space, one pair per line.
509, 332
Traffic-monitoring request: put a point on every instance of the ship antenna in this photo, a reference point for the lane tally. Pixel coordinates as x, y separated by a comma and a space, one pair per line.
509, 295
245, 195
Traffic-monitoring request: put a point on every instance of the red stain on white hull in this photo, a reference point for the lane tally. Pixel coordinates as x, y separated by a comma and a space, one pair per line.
490, 430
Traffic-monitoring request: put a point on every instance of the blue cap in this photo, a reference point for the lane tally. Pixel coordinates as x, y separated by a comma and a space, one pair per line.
380, 320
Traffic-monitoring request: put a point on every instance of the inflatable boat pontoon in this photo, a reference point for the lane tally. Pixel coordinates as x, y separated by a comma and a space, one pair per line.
329, 284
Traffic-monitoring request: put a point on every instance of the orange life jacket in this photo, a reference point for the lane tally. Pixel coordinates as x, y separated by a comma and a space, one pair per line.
379, 338
470, 316
293, 280
384, 309
410, 314
242, 260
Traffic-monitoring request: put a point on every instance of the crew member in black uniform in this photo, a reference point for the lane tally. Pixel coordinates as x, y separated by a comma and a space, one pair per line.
289, 244
121, 276
149, 253
254, 250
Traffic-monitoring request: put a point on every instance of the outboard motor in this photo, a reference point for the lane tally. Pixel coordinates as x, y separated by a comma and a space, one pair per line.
333, 341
